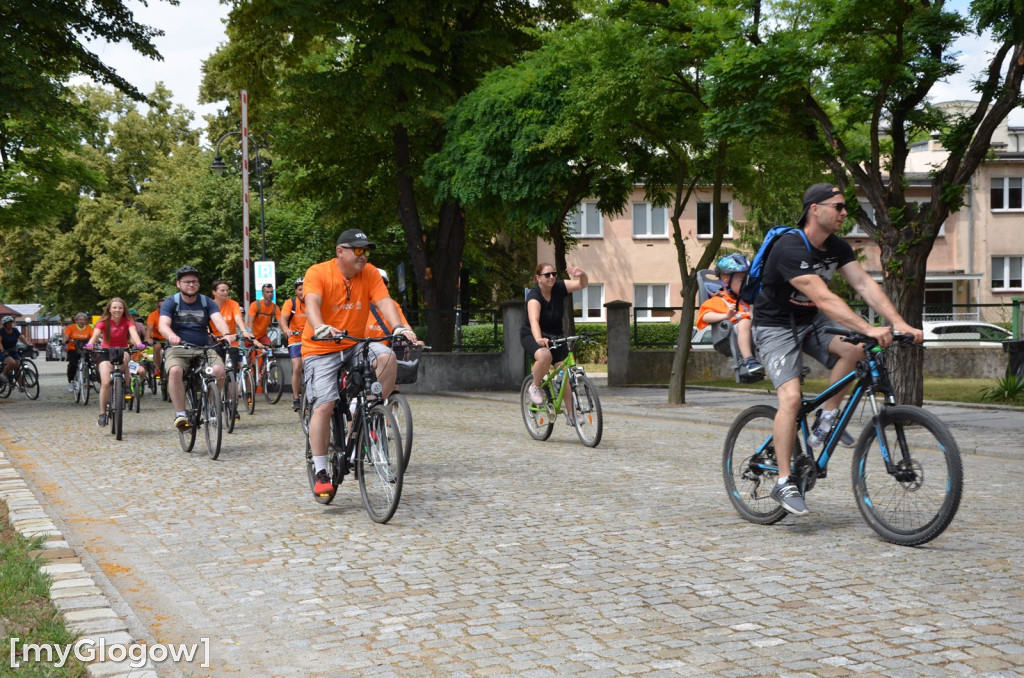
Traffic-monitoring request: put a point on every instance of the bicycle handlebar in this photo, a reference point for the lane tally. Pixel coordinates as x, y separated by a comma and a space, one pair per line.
558, 341
870, 342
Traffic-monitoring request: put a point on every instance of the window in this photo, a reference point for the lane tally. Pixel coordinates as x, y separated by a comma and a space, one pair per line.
1006, 193
648, 297
586, 221
858, 232
649, 221
1006, 273
588, 303
704, 219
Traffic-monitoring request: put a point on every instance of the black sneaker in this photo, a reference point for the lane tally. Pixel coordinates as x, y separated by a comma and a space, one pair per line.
296, 405
752, 366
102, 421
788, 496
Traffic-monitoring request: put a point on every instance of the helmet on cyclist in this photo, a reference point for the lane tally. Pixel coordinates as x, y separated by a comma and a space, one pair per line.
133, 312
383, 274
732, 263
7, 319
185, 270
298, 281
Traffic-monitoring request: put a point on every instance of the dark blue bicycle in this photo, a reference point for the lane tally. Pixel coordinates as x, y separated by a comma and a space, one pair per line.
907, 473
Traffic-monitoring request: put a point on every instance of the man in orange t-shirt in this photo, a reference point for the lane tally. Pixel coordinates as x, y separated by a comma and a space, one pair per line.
338, 294
261, 312
154, 338
293, 321
80, 330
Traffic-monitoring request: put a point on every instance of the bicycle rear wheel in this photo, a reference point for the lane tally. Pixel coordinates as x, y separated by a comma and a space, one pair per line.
229, 400
273, 383
918, 501
586, 407
379, 464
30, 380
335, 452
539, 421
187, 438
213, 421
749, 467
5, 386
399, 406
117, 405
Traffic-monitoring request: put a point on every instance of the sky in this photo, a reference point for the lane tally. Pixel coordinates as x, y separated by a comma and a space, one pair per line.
195, 28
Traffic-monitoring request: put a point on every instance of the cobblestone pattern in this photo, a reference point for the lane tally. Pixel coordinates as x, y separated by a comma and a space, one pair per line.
510, 557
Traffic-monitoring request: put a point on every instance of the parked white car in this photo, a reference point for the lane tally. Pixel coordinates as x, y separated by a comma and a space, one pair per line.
964, 333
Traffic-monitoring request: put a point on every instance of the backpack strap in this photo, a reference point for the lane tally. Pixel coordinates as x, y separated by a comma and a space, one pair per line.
380, 320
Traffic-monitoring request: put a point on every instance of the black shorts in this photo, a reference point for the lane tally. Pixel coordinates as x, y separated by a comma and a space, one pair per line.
530, 344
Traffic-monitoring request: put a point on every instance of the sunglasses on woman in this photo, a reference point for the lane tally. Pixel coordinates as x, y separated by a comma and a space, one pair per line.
549, 274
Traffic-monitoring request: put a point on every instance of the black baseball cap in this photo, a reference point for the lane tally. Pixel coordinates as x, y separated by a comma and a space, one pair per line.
815, 194
353, 237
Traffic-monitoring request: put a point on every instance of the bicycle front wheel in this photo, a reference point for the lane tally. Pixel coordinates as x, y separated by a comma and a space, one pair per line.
539, 421
916, 501
213, 421
586, 408
249, 391
137, 389
187, 438
229, 400
30, 380
5, 386
273, 383
86, 384
749, 467
379, 464
117, 404
399, 406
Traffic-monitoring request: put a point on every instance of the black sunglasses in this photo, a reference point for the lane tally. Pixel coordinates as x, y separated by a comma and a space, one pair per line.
840, 206
549, 274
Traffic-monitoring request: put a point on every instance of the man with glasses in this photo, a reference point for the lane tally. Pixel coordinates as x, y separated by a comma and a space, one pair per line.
186, 317
338, 294
792, 310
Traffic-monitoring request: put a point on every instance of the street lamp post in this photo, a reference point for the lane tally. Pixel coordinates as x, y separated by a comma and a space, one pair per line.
219, 167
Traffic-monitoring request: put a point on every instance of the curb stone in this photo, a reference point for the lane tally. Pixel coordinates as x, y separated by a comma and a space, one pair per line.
80, 602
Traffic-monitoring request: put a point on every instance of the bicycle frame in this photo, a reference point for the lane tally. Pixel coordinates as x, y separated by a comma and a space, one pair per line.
871, 379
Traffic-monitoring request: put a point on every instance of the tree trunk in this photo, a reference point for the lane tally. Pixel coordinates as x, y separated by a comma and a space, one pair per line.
436, 270
905, 288
681, 359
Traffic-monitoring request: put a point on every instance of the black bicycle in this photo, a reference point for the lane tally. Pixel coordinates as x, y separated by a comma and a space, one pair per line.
87, 375
907, 473
203, 408
25, 375
116, 403
364, 437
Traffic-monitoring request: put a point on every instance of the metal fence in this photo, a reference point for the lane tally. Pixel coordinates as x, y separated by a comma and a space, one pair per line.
476, 330
650, 329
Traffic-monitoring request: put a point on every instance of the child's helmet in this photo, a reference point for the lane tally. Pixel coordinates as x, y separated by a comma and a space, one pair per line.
732, 263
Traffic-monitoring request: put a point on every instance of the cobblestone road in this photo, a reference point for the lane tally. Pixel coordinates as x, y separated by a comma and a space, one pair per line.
515, 557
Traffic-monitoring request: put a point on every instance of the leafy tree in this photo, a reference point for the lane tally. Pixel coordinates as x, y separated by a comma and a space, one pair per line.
41, 48
355, 94
862, 107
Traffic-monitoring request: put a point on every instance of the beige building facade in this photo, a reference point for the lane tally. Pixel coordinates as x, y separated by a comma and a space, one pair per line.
976, 260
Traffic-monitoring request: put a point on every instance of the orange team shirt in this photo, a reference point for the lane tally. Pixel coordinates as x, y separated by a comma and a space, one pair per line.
72, 332
261, 314
298, 319
373, 328
228, 309
342, 308
722, 302
153, 320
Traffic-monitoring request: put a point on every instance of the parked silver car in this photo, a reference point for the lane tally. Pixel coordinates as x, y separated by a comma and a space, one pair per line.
964, 333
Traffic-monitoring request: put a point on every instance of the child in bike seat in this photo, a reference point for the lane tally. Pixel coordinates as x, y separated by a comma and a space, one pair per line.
725, 304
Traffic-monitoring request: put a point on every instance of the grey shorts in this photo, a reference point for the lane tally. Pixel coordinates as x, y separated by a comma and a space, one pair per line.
176, 356
778, 352
320, 372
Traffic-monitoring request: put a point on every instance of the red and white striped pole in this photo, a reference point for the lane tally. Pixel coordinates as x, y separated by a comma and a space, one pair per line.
246, 262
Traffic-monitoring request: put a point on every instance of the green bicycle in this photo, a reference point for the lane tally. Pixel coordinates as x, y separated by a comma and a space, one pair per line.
566, 388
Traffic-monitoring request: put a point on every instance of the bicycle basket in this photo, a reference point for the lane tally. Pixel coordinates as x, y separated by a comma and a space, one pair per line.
408, 355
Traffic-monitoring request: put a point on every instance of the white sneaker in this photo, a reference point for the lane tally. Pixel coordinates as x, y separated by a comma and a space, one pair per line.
71, 387
536, 395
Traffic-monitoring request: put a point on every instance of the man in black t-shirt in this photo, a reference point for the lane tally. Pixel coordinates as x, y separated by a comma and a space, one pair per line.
794, 307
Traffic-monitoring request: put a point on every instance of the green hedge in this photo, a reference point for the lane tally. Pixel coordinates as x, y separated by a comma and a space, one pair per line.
654, 335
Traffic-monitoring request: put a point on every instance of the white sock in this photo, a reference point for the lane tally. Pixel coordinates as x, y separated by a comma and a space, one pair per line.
320, 463
180, 414
782, 480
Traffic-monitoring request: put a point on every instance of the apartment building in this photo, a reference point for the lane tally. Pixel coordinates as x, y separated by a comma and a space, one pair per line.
978, 257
